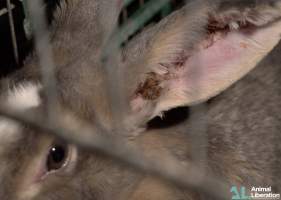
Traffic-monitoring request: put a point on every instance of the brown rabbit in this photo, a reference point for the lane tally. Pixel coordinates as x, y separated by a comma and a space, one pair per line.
198, 54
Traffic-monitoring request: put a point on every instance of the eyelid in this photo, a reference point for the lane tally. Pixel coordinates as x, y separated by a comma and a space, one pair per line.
68, 166
36, 175
71, 161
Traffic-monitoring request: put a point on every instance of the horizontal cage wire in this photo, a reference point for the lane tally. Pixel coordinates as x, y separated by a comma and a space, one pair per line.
135, 15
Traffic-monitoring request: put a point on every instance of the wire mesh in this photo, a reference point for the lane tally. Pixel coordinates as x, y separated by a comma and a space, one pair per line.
12, 28
68, 127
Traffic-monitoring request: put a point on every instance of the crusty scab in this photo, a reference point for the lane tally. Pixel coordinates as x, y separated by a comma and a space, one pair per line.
151, 88
218, 26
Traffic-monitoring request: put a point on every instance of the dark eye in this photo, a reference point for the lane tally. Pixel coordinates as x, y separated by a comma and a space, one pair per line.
57, 156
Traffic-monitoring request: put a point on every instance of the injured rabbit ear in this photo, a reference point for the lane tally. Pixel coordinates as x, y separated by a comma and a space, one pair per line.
221, 48
190, 58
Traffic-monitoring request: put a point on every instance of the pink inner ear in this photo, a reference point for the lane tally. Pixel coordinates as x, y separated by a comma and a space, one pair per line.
199, 75
215, 62
211, 69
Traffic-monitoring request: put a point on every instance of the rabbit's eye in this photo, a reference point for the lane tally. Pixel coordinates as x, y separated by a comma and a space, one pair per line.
57, 156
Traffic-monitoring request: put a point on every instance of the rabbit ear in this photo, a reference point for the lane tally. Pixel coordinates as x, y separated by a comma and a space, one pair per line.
197, 53
76, 20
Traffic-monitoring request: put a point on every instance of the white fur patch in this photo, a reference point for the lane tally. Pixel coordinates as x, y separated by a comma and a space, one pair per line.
21, 97
24, 96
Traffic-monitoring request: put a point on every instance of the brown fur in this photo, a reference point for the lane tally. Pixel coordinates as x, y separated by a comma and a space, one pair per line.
243, 121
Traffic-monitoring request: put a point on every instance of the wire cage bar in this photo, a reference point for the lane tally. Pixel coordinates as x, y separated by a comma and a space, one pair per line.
131, 23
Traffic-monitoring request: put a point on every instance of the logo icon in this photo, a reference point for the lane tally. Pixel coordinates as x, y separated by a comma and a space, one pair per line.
239, 194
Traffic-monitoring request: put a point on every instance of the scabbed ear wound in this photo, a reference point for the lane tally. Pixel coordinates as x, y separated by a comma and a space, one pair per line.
233, 44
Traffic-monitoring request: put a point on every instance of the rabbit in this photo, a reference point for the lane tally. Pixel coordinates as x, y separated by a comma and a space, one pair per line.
223, 54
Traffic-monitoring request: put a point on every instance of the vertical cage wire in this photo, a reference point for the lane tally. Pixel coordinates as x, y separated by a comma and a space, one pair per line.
12, 30
44, 52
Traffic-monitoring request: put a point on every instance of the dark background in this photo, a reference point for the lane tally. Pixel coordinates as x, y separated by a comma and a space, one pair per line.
7, 61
